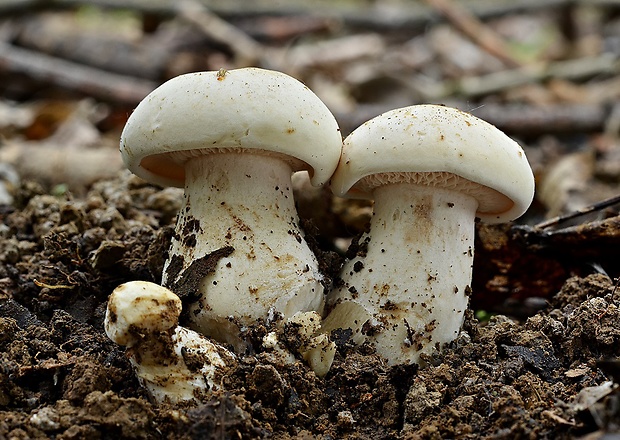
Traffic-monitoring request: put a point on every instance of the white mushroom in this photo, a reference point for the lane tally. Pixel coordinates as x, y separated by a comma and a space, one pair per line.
315, 347
431, 171
173, 363
233, 139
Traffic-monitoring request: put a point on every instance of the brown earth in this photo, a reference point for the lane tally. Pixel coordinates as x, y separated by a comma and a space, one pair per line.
545, 375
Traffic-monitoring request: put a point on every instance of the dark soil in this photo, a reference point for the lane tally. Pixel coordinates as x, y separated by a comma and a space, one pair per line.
545, 375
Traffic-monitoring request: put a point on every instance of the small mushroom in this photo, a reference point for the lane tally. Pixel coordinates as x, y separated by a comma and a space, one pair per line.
233, 139
431, 171
173, 363
314, 346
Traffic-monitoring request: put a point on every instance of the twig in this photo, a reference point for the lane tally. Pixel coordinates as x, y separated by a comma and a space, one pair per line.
50, 286
473, 86
336, 51
571, 69
583, 211
247, 50
88, 80
475, 30
534, 120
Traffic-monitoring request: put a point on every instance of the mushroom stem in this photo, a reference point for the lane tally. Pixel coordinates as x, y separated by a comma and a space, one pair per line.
245, 201
408, 292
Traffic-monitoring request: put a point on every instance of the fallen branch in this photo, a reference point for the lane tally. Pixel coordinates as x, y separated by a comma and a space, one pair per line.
412, 17
57, 35
534, 120
90, 81
515, 119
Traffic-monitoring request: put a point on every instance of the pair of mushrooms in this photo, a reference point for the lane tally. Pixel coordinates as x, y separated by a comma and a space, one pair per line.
234, 138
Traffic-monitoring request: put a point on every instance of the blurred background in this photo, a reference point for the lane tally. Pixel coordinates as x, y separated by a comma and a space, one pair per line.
545, 72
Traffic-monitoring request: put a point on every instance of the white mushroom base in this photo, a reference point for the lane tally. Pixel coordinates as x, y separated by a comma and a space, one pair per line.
244, 201
408, 294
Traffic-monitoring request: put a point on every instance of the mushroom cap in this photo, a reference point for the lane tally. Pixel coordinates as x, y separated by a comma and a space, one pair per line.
139, 308
438, 146
249, 108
